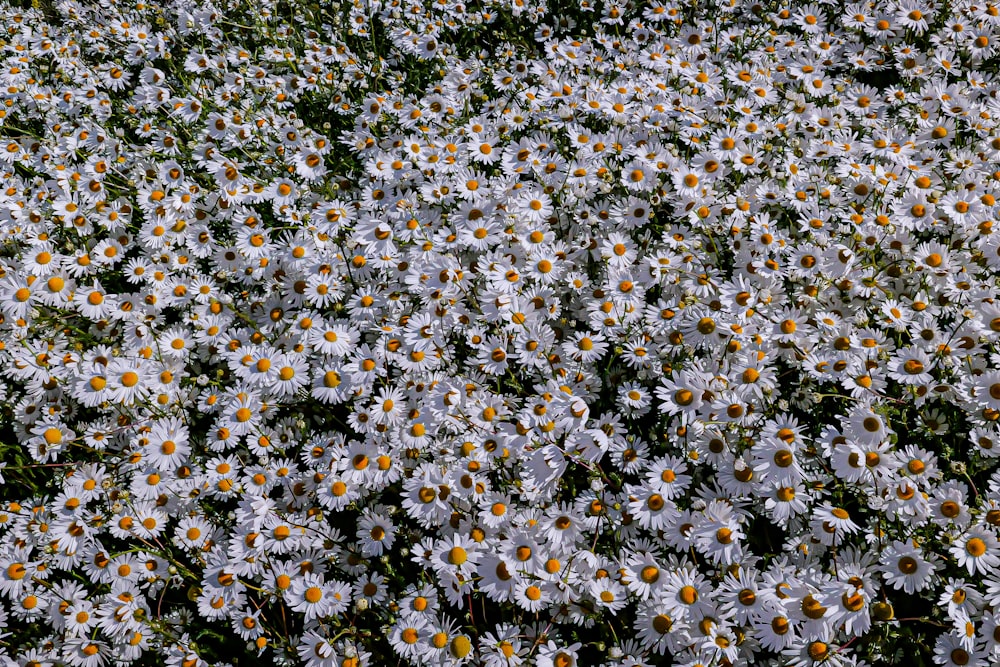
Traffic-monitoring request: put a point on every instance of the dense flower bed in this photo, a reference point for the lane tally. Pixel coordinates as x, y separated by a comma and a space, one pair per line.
555, 333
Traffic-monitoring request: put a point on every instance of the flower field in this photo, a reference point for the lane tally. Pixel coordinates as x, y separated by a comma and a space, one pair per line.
554, 333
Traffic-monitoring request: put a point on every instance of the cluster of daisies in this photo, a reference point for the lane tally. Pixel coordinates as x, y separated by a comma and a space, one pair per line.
552, 333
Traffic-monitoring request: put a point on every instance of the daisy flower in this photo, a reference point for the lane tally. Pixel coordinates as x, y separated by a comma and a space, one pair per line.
84, 652
94, 302
503, 647
656, 629
313, 597
291, 374
530, 596
409, 636
376, 534
977, 550
650, 509
684, 595
904, 567
951, 651
608, 594
586, 347
832, 524
911, 367
126, 381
